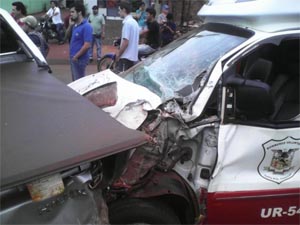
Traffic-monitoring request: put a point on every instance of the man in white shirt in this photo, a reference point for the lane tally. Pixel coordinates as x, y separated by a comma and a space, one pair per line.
54, 14
128, 52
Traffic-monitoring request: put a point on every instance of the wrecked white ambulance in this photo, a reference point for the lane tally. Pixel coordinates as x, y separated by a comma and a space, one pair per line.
221, 108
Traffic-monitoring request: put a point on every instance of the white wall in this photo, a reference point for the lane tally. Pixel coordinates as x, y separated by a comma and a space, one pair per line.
89, 4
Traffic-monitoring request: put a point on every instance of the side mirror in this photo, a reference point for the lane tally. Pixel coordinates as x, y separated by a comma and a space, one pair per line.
252, 98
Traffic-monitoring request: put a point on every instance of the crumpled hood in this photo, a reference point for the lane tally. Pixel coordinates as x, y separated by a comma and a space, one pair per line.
133, 101
46, 127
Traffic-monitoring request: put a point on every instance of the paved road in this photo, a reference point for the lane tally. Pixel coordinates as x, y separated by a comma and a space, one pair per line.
58, 59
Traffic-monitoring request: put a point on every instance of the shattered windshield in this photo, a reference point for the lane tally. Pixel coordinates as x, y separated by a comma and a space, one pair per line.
179, 64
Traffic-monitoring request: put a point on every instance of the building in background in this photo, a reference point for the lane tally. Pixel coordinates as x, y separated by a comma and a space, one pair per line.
183, 10
32, 6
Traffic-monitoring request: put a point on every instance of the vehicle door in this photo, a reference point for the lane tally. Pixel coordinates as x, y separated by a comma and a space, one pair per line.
256, 178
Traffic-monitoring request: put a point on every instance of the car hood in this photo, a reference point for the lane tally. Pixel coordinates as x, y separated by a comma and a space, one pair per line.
133, 101
47, 127
263, 15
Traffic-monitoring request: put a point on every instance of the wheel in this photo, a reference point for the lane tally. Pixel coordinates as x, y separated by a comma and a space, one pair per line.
107, 62
45, 34
141, 211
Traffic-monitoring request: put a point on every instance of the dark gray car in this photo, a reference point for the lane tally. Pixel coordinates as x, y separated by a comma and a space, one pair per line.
58, 150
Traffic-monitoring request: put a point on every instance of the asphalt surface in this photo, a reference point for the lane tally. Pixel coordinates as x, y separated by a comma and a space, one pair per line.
58, 59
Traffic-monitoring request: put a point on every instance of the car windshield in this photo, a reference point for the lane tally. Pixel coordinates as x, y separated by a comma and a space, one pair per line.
181, 62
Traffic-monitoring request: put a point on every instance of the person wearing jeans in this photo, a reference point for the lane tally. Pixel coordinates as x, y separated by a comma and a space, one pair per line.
80, 41
98, 42
98, 24
78, 68
55, 15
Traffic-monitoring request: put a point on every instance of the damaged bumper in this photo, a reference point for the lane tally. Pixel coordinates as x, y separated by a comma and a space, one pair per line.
45, 206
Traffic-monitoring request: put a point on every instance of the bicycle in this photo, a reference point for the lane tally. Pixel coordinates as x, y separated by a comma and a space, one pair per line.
108, 61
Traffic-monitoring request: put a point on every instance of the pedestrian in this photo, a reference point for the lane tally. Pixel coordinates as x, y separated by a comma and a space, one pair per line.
128, 52
162, 18
54, 14
152, 33
66, 21
30, 24
97, 21
18, 11
152, 4
141, 15
66, 25
81, 39
168, 30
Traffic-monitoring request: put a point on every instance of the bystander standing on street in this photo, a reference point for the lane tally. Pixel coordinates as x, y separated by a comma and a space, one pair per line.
128, 52
162, 18
66, 25
168, 30
54, 14
66, 21
18, 11
152, 33
81, 39
30, 24
141, 16
98, 24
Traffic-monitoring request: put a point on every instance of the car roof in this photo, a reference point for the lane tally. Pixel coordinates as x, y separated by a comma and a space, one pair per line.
263, 15
46, 127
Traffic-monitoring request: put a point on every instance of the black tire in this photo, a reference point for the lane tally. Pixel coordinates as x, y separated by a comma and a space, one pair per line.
106, 63
45, 36
141, 211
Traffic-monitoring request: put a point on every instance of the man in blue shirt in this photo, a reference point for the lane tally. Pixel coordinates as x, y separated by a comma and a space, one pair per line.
82, 34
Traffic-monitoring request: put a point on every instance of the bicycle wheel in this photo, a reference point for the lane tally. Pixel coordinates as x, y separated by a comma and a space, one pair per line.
107, 62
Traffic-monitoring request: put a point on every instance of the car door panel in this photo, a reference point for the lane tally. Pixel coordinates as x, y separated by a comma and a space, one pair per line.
256, 176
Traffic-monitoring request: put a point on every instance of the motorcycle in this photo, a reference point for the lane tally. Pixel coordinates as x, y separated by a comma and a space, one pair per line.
48, 29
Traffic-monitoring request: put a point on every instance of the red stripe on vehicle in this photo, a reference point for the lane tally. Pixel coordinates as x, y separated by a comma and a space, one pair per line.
254, 207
